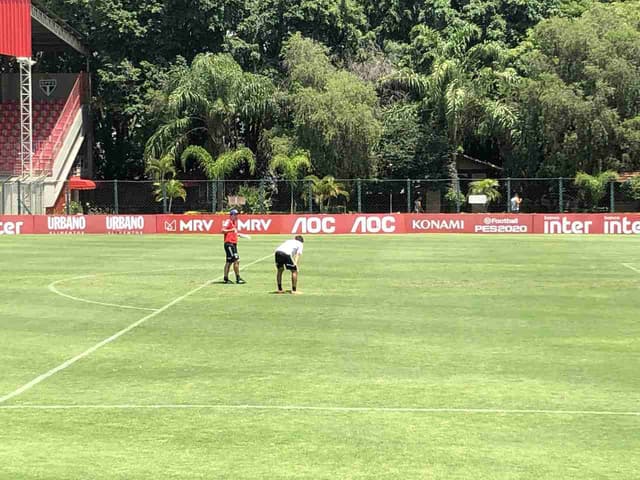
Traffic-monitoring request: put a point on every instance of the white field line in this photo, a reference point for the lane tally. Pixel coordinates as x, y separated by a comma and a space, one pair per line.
113, 337
498, 411
52, 288
631, 267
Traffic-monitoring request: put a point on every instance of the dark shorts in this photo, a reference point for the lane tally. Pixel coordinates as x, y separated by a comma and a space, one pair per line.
284, 260
231, 249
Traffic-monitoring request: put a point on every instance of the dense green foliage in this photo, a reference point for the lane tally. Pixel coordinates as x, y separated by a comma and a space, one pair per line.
390, 88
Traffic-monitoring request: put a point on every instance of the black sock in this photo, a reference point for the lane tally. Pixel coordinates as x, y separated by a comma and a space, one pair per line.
293, 289
279, 286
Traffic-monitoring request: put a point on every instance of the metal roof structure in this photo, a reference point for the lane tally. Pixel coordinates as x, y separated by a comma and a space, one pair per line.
51, 34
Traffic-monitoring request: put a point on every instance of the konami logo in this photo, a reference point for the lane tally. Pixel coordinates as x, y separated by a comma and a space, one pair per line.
125, 223
254, 225
195, 226
564, 225
386, 224
314, 225
11, 228
67, 224
435, 224
621, 225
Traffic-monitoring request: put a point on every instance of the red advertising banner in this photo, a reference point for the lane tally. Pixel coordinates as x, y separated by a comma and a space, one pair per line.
550, 224
16, 224
105, 224
476, 223
342, 224
584, 224
213, 223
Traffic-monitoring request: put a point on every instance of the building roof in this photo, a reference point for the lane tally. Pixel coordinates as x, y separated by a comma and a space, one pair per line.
50, 33
484, 163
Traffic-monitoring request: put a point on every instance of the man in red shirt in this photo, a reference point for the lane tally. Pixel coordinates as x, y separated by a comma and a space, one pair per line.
230, 232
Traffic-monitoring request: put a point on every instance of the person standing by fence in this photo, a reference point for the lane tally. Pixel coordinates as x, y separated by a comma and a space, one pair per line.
515, 203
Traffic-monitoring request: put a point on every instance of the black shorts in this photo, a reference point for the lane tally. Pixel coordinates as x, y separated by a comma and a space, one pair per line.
284, 260
231, 249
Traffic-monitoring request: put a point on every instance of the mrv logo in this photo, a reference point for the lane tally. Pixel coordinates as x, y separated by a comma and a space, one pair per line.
254, 225
195, 225
11, 228
125, 223
426, 224
67, 224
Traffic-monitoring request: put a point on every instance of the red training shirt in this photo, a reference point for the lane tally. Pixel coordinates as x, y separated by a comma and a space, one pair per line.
229, 237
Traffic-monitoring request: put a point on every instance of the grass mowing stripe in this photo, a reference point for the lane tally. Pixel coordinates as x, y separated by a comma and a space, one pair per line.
113, 337
499, 411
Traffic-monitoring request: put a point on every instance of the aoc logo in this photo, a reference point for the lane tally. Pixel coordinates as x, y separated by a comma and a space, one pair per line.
11, 228
314, 225
386, 224
71, 224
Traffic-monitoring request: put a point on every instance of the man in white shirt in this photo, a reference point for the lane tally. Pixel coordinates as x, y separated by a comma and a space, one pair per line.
288, 256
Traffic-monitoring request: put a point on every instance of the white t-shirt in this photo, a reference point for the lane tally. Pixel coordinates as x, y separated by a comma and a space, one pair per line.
291, 248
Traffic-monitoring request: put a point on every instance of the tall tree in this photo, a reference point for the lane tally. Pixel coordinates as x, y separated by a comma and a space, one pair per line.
215, 104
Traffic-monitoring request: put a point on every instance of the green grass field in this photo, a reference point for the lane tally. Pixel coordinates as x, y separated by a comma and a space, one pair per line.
407, 357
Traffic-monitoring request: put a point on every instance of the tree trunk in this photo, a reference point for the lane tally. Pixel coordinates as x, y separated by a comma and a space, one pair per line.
452, 171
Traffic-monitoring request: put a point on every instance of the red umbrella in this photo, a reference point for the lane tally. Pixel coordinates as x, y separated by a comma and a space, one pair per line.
77, 183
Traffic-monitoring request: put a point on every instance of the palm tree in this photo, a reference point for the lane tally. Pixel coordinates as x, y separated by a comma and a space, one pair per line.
486, 186
216, 104
460, 101
159, 168
325, 189
172, 189
449, 94
222, 166
290, 162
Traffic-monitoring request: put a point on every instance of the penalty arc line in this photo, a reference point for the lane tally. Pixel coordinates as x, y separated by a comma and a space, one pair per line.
113, 337
337, 409
52, 288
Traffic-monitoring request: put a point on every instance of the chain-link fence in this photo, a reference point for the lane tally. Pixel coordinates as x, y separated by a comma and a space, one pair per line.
22, 197
539, 195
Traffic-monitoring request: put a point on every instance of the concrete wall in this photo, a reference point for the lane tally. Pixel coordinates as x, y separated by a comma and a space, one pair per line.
10, 86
